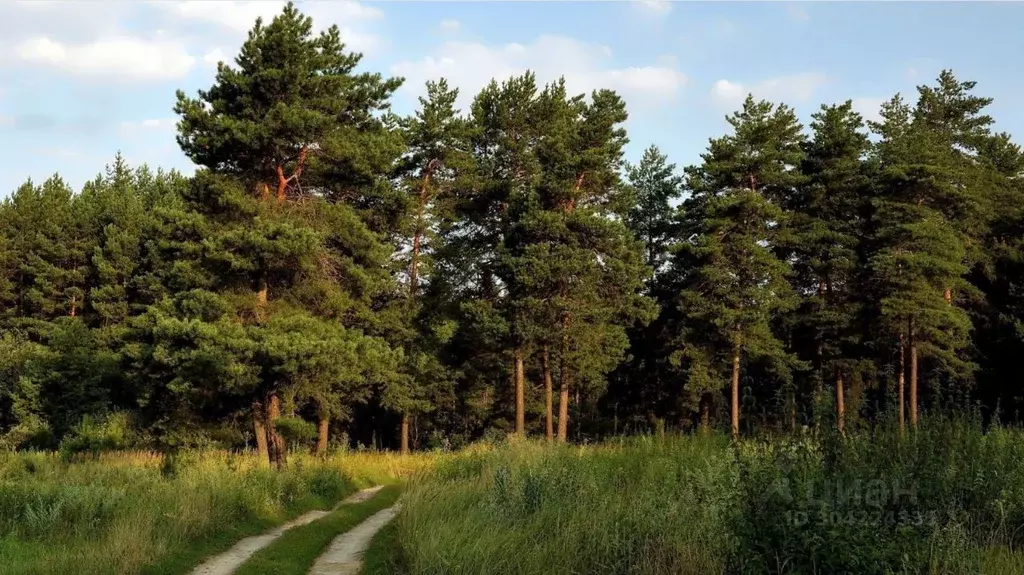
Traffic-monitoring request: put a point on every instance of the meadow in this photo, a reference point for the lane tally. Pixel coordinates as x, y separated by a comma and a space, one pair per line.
944, 499
947, 498
142, 512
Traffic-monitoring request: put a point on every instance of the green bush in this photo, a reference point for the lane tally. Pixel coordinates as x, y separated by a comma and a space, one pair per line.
95, 435
296, 429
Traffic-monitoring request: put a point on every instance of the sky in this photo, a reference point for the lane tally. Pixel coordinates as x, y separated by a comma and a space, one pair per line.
82, 80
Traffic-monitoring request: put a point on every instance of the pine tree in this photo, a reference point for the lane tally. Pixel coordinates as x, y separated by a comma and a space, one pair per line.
827, 226
575, 272
733, 282
294, 116
929, 211
47, 236
654, 187
438, 154
504, 131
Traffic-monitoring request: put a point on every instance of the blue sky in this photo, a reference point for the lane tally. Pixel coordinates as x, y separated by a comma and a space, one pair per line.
81, 80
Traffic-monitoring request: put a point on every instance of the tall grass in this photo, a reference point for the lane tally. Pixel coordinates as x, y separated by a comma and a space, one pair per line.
140, 512
947, 498
644, 506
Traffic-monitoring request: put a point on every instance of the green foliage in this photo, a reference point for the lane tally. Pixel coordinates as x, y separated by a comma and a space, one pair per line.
732, 282
296, 429
356, 269
113, 433
652, 217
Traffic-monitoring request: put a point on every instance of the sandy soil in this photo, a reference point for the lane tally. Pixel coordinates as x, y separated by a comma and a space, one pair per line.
227, 562
344, 555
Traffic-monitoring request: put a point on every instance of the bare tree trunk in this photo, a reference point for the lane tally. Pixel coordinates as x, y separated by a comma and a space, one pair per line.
735, 408
258, 416
262, 293
520, 394
705, 417
900, 385
404, 450
282, 181
278, 449
563, 410
913, 377
414, 266
549, 416
322, 433
840, 403
792, 411
563, 392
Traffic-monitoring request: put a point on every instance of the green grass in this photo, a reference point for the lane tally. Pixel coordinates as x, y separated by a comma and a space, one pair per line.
294, 552
946, 499
1002, 561
644, 506
384, 554
183, 560
131, 513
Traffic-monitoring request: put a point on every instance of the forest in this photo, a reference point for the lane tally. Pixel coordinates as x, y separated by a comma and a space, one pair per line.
335, 274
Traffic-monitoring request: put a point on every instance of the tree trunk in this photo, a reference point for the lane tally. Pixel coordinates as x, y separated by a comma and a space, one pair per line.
418, 234
549, 416
735, 408
840, 403
404, 449
261, 299
705, 417
913, 377
792, 411
258, 417
520, 394
563, 410
282, 181
900, 384
948, 295
321, 441
278, 453
282, 184
563, 392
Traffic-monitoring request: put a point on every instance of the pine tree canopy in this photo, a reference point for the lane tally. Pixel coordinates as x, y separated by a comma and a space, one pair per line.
462, 271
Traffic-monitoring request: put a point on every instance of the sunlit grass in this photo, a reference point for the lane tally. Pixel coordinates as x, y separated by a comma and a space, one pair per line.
135, 512
945, 499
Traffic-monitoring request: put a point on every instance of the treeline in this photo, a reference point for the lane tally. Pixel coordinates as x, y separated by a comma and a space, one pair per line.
334, 271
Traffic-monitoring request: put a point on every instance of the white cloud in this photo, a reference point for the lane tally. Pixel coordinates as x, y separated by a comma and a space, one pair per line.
57, 152
237, 17
450, 25
120, 57
134, 128
214, 56
240, 15
797, 13
782, 89
726, 91
659, 7
869, 108
471, 65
